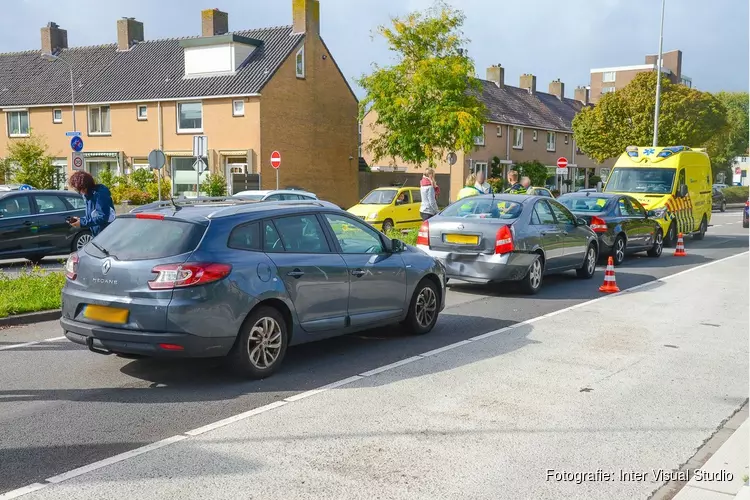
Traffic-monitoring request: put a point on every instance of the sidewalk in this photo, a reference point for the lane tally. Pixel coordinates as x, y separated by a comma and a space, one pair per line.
585, 403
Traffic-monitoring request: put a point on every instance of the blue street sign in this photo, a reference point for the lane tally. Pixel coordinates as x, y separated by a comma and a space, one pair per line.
72, 134
76, 144
25, 187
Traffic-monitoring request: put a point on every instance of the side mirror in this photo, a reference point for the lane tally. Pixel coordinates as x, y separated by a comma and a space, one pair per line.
683, 191
397, 246
581, 222
651, 214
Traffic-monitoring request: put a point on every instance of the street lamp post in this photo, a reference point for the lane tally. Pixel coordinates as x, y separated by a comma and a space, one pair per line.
52, 57
658, 77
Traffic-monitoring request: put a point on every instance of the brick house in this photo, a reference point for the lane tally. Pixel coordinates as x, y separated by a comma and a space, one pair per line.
250, 92
523, 124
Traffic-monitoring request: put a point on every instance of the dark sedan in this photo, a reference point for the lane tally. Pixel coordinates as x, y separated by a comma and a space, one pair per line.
718, 201
621, 223
33, 224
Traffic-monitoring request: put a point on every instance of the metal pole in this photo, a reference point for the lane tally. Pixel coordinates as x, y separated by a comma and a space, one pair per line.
277, 179
658, 77
158, 179
198, 179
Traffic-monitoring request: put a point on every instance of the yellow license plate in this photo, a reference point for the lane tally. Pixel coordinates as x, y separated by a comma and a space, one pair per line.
106, 314
462, 239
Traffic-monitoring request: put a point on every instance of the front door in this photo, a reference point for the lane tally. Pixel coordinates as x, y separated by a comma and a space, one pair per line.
53, 232
378, 278
316, 279
574, 241
16, 225
550, 235
638, 230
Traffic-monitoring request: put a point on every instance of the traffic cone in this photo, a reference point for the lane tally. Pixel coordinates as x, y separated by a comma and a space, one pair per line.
610, 285
679, 250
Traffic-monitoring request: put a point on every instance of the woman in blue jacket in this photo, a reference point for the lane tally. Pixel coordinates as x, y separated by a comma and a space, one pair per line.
100, 210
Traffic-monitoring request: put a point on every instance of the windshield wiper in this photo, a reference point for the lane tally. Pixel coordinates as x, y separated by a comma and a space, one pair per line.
100, 248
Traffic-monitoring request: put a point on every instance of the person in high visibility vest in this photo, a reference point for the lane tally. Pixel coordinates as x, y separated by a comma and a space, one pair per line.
515, 186
469, 188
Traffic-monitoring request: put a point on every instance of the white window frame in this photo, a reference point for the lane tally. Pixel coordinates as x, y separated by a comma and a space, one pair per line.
609, 76
499, 130
534, 135
235, 112
138, 112
608, 90
551, 144
55, 119
482, 166
300, 54
479, 140
101, 131
181, 130
517, 133
11, 112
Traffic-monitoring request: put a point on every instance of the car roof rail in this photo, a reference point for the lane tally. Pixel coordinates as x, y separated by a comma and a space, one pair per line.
201, 201
239, 208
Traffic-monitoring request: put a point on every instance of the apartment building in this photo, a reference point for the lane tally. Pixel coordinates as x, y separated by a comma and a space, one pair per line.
605, 80
250, 92
523, 124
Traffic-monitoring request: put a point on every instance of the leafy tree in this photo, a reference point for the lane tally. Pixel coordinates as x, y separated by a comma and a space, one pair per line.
215, 185
5, 171
33, 166
426, 104
625, 118
142, 177
733, 139
534, 170
106, 177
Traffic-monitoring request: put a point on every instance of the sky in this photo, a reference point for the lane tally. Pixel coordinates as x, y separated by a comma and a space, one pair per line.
548, 38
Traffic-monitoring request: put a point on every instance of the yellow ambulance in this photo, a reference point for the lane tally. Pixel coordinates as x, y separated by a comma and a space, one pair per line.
673, 183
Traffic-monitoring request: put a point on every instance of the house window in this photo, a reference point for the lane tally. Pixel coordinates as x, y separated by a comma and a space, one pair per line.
142, 112
300, 59
95, 167
566, 138
479, 140
189, 117
18, 123
481, 166
609, 76
499, 130
99, 120
517, 138
534, 136
184, 177
238, 107
607, 90
57, 116
551, 137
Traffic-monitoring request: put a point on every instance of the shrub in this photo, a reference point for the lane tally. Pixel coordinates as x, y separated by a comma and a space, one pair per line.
106, 177
214, 185
534, 170
736, 194
142, 177
498, 185
31, 163
153, 189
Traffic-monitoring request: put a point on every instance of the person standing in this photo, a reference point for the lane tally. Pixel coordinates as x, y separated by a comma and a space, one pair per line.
429, 207
515, 186
481, 184
470, 188
526, 183
100, 210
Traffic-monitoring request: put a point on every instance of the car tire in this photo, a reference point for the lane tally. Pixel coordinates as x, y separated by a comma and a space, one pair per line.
588, 269
745, 224
264, 334
618, 250
35, 259
701, 230
670, 240
387, 225
723, 207
81, 240
532, 282
424, 308
658, 248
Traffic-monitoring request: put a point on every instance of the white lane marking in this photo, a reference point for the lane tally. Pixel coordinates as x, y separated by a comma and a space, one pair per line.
444, 349
160, 444
26, 344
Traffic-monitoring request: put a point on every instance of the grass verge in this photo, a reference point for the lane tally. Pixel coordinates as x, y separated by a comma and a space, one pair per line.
32, 291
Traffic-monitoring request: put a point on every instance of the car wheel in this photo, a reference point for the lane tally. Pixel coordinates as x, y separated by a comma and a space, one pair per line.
81, 240
589, 264
532, 282
261, 345
658, 247
424, 308
35, 259
618, 250
387, 225
746, 224
671, 239
723, 207
701, 230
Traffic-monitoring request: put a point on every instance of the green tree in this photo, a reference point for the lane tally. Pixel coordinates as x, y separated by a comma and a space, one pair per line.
6, 171
426, 104
732, 140
142, 177
215, 185
32, 164
688, 117
106, 177
534, 170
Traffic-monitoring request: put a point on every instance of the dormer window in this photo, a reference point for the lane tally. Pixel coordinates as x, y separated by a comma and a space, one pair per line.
217, 55
300, 60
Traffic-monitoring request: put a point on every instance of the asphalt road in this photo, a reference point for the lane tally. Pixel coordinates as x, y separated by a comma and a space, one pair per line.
62, 407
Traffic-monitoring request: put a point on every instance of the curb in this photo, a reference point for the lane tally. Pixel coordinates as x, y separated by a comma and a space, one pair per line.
30, 318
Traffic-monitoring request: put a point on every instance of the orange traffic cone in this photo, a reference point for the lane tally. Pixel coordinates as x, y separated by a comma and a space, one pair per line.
679, 250
610, 285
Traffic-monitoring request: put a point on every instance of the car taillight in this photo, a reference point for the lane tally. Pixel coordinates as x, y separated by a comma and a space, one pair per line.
172, 276
71, 267
504, 240
598, 225
149, 216
423, 237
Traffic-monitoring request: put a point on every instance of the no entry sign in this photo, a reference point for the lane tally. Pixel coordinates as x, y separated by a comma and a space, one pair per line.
562, 162
275, 159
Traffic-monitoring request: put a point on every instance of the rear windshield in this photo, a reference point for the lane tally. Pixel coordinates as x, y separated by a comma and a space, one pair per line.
128, 238
587, 204
483, 208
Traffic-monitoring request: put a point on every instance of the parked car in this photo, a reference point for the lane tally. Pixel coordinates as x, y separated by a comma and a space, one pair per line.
33, 224
718, 200
9, 187
621, 223
243, 281
495, 238
389, 208
275, 195
746, 215
720, 186
539, 191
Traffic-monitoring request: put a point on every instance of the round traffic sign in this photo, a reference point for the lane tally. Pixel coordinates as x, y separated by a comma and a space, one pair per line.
78, 163
275, 159
25, 187
737, 171
562, 162
156, 159
76, 144
452, 158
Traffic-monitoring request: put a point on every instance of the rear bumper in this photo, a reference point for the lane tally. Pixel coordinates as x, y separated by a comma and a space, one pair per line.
106, 340
483, 268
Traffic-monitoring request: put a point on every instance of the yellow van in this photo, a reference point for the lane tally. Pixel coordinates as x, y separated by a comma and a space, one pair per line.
674, 183
389, 208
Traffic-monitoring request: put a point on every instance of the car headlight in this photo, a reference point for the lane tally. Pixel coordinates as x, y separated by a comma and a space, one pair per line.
660, 212
372, 216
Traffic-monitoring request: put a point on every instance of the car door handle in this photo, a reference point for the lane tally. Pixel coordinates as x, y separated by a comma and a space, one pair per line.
28, 223
296, 274
358, 273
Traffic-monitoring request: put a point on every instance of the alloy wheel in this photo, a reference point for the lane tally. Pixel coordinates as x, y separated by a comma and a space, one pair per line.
620, 250
426, 307
535, 274
264, 345
591, 261
659, 243
83, 240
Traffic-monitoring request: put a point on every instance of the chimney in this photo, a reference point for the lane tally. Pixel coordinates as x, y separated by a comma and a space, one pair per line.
306, 14
582, 95
214, 22
528, 82
557, 88
496, 75
54, 38
129, 32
